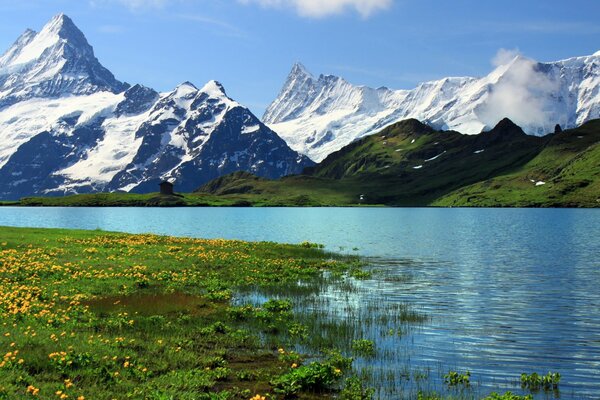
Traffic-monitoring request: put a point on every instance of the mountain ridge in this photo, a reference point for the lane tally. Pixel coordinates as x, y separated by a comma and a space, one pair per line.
318, 115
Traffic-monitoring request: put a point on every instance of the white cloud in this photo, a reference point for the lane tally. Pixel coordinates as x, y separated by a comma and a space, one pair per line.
505, 57
324, 8
219, 27
521, 94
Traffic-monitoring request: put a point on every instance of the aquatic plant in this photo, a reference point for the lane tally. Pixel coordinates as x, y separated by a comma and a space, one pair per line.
360, 274
507, 396
310, 245
316, 376
363, 347
355, 389
454, 378
534, 381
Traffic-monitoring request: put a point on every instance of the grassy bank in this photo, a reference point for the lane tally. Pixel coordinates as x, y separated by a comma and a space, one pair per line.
275, 194
100, 315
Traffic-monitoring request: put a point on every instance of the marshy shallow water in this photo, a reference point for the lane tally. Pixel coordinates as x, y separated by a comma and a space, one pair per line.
497, 292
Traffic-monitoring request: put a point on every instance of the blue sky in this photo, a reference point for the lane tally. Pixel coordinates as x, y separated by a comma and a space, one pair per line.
250, 45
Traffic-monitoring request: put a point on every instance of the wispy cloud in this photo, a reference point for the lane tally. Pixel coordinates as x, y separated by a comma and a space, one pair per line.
218, 27
111, 29
136, 5
542, 27
325, 8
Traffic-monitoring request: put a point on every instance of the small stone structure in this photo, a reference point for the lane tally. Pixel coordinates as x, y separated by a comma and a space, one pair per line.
166, 187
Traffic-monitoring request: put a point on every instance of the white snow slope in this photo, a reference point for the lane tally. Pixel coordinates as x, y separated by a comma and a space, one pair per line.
319, 115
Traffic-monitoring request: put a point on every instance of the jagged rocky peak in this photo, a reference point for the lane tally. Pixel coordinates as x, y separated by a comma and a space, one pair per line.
31, 46
299, 70
56, 61
138, 99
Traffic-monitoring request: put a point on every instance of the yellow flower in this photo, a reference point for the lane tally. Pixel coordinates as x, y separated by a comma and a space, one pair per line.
294, 365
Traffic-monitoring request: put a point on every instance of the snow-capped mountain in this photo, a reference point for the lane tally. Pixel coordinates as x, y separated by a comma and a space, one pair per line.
319, 115
56, 61
68, 126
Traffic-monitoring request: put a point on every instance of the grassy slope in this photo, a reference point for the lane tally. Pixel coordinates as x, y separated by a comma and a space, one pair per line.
383, 165
569, 165
107, 315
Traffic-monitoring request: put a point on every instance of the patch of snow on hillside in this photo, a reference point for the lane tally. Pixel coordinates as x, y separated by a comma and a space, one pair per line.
22, 121
436, 157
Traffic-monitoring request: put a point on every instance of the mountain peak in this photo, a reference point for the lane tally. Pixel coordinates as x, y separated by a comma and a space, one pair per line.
187, 84
214, 89
507, 127
298, 69
56, 61
597, 53
31, 46
58, 21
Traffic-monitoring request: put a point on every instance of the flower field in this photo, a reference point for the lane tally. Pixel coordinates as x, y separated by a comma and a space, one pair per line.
96, 315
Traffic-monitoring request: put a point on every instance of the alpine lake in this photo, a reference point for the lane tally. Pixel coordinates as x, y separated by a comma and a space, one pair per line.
495, 292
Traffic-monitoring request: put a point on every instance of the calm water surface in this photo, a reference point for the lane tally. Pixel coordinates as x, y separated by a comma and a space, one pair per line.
507, 290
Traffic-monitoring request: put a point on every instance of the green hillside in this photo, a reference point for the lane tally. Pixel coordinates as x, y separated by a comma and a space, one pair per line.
568, 166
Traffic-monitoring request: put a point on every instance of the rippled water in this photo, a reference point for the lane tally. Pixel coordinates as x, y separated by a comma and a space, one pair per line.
506, 290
